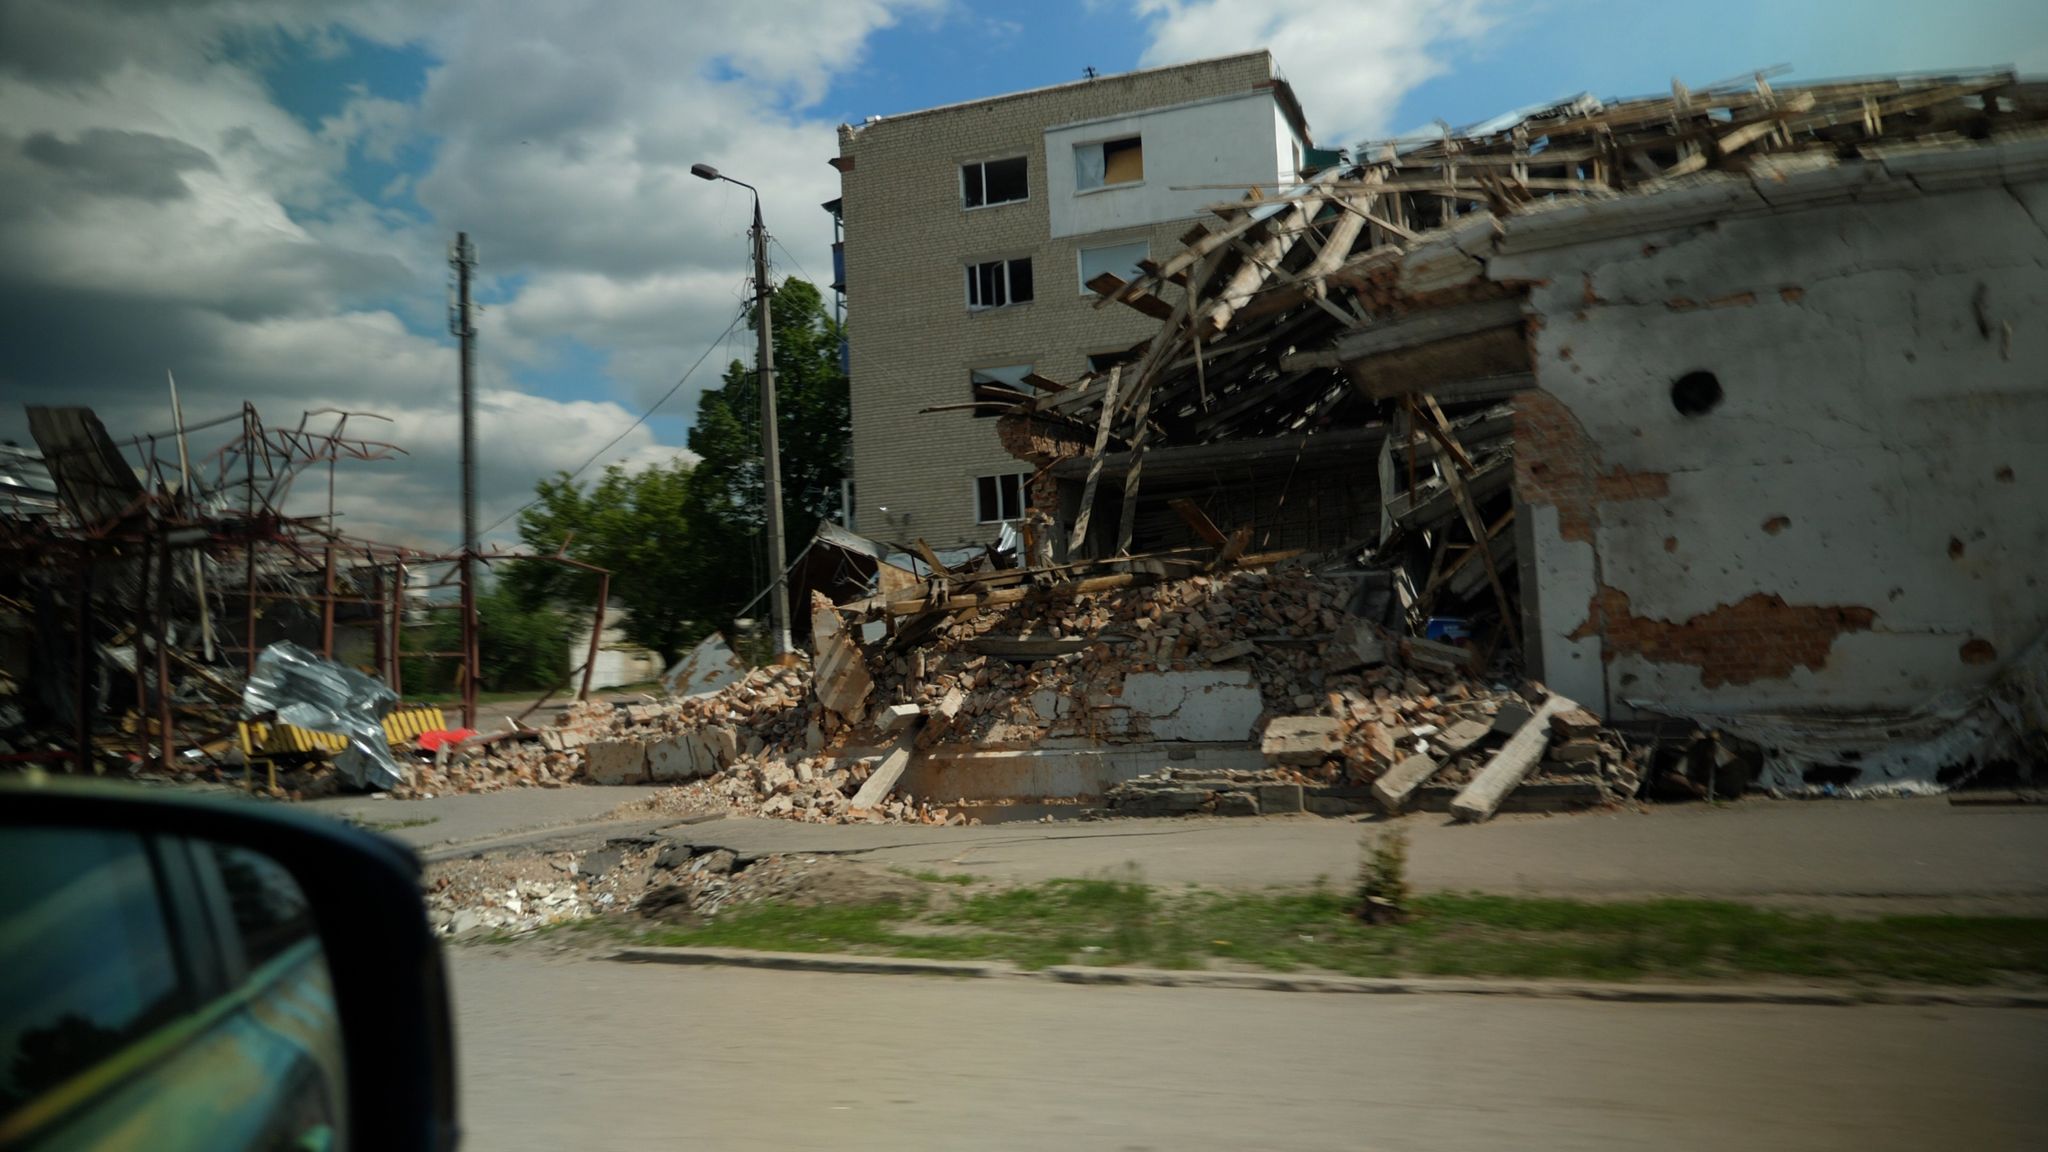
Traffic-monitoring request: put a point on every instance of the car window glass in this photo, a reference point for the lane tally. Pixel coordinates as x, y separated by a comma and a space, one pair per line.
269, 908
86, 952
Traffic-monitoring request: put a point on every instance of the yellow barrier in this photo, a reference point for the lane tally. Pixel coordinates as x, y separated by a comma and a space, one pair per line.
263, 743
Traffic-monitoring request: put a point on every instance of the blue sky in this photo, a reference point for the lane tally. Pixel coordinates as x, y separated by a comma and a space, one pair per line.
328, 152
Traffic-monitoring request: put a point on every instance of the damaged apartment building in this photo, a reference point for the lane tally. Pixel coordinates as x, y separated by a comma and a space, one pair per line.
971, 231
1722, 408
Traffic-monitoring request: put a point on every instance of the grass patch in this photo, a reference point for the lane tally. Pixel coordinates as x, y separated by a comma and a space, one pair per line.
1122, 921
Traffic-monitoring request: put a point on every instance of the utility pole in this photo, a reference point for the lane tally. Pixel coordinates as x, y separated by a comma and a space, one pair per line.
464, 261
771, 455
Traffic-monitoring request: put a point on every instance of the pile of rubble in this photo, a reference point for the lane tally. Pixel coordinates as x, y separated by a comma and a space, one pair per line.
644, 875
1408, 751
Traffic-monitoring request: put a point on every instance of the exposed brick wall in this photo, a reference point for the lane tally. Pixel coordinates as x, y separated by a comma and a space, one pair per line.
908, 240
1759, 637
1555, 462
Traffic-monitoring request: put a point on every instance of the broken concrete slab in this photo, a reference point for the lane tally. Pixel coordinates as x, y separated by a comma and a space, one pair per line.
897, 717
1459, 736
1509, 766
1278, 799
1214, 705
1358, 644
1393, 787
1436, 656
883, 779
839, 675
1301, 740
708, 668
1574, 724
615, 762
1237, 804
681, 757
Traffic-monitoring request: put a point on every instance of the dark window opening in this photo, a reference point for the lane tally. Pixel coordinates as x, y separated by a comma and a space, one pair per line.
1108, 163
1000, 498
1696, 393
999, 282
994, 182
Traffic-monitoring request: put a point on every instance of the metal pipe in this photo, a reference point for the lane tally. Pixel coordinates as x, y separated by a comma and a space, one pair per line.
397, 628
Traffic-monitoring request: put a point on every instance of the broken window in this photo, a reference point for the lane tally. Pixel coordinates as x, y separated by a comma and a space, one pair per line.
1109, 162
998, 282
988, 182
1000, 498
1119, 260
1005, 385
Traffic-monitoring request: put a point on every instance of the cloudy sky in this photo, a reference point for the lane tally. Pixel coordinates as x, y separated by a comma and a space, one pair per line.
259, 194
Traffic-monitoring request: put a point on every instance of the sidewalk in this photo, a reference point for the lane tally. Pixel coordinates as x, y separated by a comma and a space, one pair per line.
1918, 855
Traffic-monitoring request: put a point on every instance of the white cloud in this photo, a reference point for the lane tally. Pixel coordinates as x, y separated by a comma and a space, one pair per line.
1350, 61
169, 213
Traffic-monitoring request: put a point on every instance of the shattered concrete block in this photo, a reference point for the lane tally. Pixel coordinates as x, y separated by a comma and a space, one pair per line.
615, 762
1301, 740
1576, 752
1278, 799
1575, 724
1214, 705
1358, 644
1511, 717
897, 717
1237, 804
1435, 656
678, 758
949, 707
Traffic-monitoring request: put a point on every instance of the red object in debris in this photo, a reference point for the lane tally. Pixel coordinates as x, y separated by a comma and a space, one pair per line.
432, 741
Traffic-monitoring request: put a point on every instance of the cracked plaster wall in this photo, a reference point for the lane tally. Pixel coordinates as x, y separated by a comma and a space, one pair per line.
1877, 468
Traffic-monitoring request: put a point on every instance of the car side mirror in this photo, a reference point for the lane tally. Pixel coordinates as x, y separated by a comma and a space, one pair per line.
213, 973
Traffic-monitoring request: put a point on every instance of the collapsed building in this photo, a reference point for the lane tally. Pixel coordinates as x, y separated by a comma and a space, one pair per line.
1676, 443
1739, 386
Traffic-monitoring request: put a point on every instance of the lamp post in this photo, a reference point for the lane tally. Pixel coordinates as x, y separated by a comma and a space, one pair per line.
771, 457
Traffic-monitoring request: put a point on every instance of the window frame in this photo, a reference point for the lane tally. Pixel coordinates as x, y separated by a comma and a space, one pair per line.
1007, 264
981, 169
1100, 146
1023, 481
1081, 267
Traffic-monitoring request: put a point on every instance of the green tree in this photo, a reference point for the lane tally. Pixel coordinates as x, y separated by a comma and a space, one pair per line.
813, 416
519, 646
635, 525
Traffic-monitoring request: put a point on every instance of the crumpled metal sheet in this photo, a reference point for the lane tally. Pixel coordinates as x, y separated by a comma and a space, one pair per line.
309, 692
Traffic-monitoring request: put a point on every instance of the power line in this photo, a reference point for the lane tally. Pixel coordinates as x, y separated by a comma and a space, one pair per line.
673, 389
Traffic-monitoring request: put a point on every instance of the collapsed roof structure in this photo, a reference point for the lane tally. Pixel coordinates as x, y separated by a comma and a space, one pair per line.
1733, 385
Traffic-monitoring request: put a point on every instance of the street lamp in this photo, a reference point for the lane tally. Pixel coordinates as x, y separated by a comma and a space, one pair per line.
771, 456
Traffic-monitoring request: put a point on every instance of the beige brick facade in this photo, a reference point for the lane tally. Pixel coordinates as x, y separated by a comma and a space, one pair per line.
908, 240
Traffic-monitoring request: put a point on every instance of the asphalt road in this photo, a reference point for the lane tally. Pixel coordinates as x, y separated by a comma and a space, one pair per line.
562, 1052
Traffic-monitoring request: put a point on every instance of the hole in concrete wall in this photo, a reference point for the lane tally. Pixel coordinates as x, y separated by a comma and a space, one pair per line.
1955, 548
2003, 475
1835, 774
1978, 651
1777, 524
1696, 393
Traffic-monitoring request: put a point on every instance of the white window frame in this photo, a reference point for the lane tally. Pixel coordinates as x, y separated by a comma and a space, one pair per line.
982, 165
1023, 480
1080, 259
1009, 289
